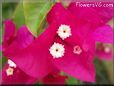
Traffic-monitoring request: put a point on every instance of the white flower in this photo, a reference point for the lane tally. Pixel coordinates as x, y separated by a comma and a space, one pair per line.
11, 63
107, 49
64, 31
9, 71
57, 50
77, 50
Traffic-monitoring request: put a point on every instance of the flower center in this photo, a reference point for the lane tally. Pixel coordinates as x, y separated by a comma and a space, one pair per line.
64, 31
9, 71
77, 49
57, 50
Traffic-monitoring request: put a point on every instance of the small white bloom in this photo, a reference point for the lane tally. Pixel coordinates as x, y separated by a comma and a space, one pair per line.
64, 31
57, 50
9, 71
11, 63
107, 49
77, 50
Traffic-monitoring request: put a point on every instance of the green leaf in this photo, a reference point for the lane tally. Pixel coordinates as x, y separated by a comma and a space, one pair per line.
18, 16
7, 10
73, 81
35, 14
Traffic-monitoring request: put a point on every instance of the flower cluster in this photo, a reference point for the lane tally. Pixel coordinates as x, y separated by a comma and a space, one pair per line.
68, 44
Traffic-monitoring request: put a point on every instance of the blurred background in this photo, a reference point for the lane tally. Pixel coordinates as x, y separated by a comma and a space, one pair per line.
104, 69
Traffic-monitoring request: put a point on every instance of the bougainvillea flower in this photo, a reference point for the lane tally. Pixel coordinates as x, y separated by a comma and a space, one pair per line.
18, 40
96, 16
9, 33
76, 57
11, 74
70, 50
104, 34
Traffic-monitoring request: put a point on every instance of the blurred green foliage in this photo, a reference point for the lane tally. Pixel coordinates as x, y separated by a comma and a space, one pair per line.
7, 10
35, 14
101, 73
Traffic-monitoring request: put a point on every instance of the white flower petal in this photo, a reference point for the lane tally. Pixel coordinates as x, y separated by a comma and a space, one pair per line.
107, 49
64, 31
11, 63
57, 50
9, 71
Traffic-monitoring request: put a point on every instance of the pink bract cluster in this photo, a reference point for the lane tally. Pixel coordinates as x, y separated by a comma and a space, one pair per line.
68, 44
